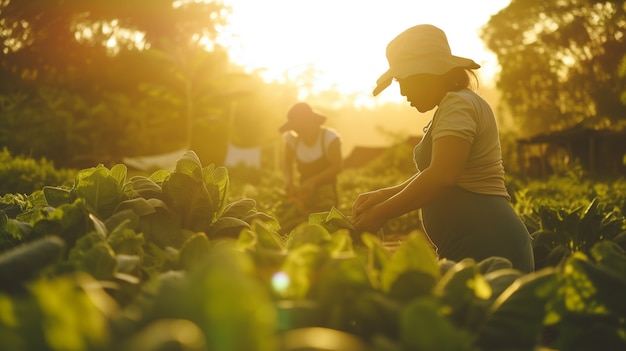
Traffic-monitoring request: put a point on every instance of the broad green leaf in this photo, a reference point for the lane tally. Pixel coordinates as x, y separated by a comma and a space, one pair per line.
12, 231
217, 183
592, 289
610, 256
159, 176
143, 187
118, 172
227, 227
100, 190
189, 202
299, 266
26, 261
68, 221
424, 327
194, 251
162, 229
516, 317
141, 206
416, 253
377, 257
189, 164
266, 238
308, 234
462, 288
119, 217
340, 244
92, 254
75, 312
239, 208
493, 263
125, 241
56, 196
501, 279
338, 220
318, 218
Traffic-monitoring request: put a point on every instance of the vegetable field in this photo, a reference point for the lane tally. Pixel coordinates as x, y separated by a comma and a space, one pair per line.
191, 259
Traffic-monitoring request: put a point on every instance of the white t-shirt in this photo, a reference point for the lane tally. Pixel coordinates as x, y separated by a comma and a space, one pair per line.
306, 153
466, 115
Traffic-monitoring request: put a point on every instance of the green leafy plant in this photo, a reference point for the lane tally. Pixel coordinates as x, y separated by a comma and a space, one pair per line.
562, 232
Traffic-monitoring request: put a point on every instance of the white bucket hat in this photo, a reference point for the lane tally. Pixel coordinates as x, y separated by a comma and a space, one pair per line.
420, 49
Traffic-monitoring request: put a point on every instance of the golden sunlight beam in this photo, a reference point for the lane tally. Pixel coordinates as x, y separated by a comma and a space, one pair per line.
345, 40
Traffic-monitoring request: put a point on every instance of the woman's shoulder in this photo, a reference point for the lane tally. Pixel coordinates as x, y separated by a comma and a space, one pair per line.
289, 137
330, 133
464, 96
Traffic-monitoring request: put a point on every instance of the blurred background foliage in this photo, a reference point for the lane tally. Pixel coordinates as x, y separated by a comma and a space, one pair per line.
83, 83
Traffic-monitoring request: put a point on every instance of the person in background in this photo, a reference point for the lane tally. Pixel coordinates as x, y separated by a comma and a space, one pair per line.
459, 183
312, 161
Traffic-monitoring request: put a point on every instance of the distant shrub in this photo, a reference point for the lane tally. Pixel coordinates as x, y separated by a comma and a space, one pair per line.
24, 175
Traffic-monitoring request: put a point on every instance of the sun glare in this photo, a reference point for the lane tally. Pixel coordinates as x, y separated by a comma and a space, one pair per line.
344, 41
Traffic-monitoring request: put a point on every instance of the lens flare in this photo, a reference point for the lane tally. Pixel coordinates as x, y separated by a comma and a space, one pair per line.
280, 282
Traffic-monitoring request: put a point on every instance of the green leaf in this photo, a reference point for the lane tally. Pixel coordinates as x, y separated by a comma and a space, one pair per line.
194, 251
308, 234
143, 187
610, 256
493, 264
340, 244
141, 206
189, 164
593, 289
267, 238
501, 279
463, 288
516, 317
74, 312
189, 201
423, 326
416, 253
92, 254
125, 241
217, 183
56, 196
27, 260
227, 227
239, 208
299, 266
99, 188
118, 172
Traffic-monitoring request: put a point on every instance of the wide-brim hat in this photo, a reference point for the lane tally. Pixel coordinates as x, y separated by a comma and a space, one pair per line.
301, 114
420, 49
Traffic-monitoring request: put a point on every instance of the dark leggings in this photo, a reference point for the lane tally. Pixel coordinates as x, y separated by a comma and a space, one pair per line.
464, 224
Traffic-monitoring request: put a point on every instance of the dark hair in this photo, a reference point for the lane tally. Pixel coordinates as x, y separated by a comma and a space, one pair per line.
459, 78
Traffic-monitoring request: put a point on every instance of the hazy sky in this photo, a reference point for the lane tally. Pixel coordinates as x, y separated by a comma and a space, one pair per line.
345, 39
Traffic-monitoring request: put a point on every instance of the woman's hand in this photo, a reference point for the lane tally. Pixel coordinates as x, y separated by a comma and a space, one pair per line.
370, 220
306, 190
366, 200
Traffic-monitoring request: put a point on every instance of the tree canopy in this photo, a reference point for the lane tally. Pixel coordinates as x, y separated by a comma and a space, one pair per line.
107, 77
560, 62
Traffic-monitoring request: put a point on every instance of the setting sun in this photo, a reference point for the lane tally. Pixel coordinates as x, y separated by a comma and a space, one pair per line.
344, 41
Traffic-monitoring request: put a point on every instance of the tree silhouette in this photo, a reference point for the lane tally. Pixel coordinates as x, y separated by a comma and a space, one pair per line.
105, 78
560, 62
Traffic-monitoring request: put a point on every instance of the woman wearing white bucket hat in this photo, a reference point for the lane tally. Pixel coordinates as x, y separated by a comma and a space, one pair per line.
459, 184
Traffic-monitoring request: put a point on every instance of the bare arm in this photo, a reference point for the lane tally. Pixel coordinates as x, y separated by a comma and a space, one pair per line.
449, 156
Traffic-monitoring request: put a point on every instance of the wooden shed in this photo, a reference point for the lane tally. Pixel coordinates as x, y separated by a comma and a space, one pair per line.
599, 151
